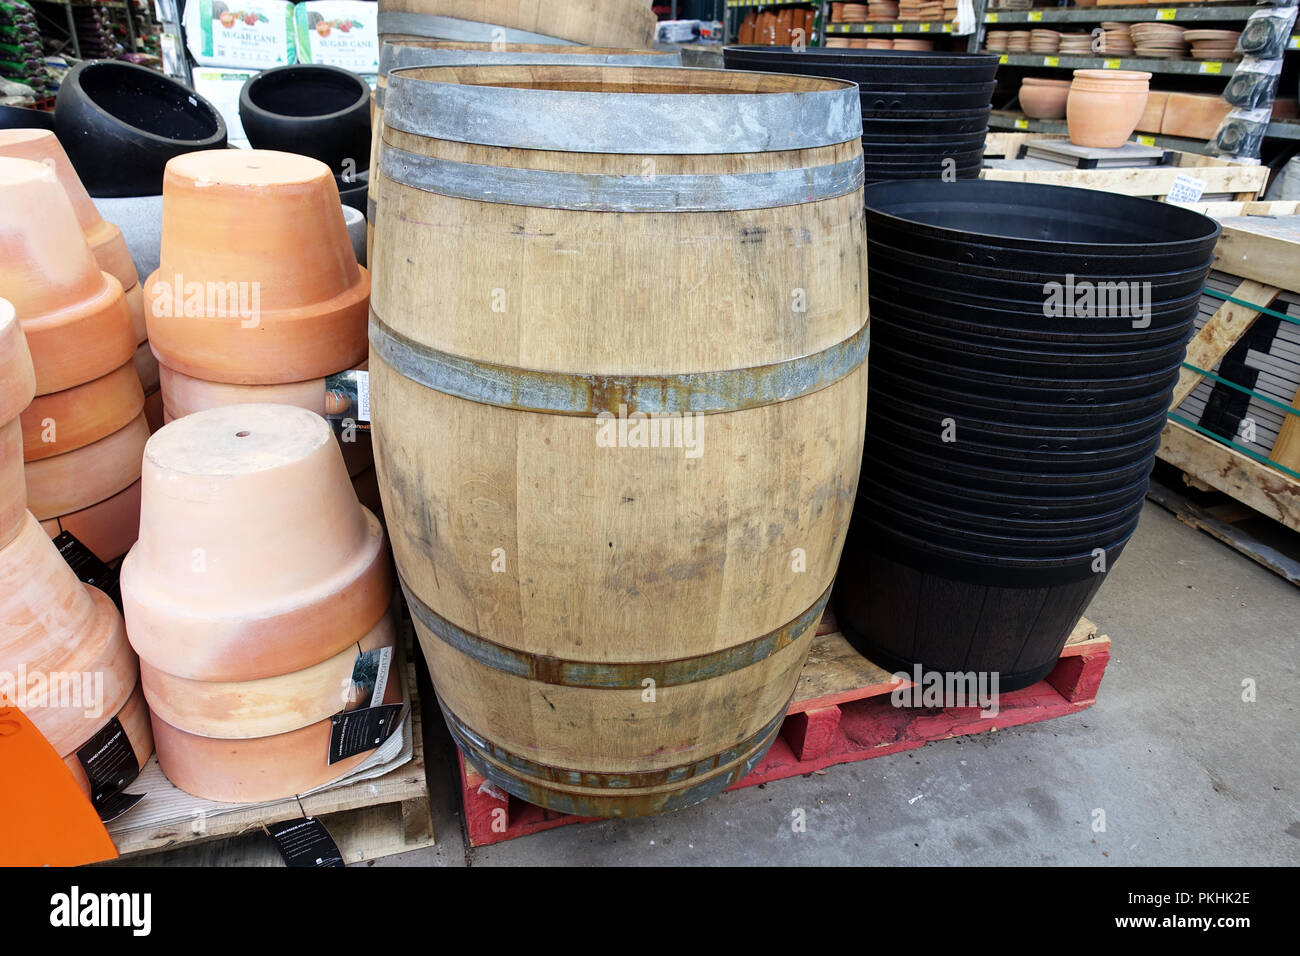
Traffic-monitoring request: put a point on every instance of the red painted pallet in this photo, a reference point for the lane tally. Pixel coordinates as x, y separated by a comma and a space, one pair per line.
841, 713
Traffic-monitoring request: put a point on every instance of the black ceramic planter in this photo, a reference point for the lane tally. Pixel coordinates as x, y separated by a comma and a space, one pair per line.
968, 140
17, 117
901, 99
912, 66
120, 124
312, 109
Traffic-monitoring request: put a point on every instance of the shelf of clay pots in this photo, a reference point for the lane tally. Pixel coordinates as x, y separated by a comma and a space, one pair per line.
914, 26
1135, 14
1013, 120
1203, 67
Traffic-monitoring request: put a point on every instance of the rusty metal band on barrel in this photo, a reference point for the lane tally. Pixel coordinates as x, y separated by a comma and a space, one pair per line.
486, 754
620, 675
453, 28
601, 192
590, 395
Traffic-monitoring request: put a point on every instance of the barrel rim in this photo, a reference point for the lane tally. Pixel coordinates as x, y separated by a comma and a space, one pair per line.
439, 103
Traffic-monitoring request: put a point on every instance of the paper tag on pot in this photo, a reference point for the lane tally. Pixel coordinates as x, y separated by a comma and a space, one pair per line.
347, 398
359, 731
369, 678
1186, 188
109, 761
305, 843
87, 567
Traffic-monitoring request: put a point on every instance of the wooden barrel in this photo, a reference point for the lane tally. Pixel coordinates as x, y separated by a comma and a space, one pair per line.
412, 53
614, 608
622, 23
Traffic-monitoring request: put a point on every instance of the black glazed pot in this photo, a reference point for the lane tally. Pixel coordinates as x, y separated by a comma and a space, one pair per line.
18, 117
120, 124
312, 109
911, 66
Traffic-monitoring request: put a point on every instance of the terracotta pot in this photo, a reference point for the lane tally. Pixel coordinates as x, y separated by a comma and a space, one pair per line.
184, 395
254, 557
1153, 113
17, 377
271, 224
1196, 116
1044, 99
73, 315
1104, 106
134, 718
262, 708
257, 769
13, 486
85, 476
107, 528
77, 416
51, 623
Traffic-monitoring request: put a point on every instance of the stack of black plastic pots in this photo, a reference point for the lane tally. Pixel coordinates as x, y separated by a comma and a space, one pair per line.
1016, 404
924, 115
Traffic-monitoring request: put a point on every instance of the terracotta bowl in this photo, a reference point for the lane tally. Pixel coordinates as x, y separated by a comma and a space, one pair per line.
254, 557
78, 479
258, 769
41, 600
269, 223
262, 708
134, 718
1044, 101
107, 528
13, 486
17, 377
77, 416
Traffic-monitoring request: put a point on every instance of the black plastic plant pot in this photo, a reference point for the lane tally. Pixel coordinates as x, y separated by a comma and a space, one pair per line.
309, 108
18, 117
120, 124
928, 307
971, 139
1018, 506
877, 174
886, 124
1042, 229
914, 155
1040, 411
977, 353
910, 101
1077, 291
920, 66
904, 607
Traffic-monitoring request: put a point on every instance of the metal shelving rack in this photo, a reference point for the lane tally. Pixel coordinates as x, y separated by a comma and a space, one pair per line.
730, 24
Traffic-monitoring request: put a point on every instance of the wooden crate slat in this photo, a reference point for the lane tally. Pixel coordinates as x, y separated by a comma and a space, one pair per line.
1220, 334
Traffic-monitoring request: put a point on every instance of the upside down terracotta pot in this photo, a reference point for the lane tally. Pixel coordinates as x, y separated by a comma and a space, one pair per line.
256, 769
13, 486
59, 422
106, 241
1104, 106
257, 283
265, 707
17, 387
134, 718
108, 528
254, 557
184, 395
80, 478
73, 315
63, 634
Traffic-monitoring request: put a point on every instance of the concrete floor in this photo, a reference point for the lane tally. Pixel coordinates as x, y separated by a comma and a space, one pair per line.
1186, 772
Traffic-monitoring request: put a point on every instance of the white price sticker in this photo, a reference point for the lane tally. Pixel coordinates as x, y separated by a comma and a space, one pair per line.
1186, 188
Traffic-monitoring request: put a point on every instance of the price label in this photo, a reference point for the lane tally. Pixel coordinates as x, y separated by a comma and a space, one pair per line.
1022, 123
898, 28
1003, 59
1147, 140
1294, 44
1035, 16
1166, 13
947, 28
1186, 188
870, 28
1111, 64
1211, 66
925, 28
990, 18
1051, 61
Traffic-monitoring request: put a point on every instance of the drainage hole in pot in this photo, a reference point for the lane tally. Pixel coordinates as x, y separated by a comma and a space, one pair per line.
242, 434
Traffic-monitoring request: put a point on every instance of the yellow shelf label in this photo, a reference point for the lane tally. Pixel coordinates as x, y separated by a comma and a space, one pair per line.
1166, 13
1035, 16
1294, 44
925, 28
947, 28
990, 18
898, 28
1003, 59
1022, 123
1111, 64
1147, 140
869, 28
1211, 66
1051, 61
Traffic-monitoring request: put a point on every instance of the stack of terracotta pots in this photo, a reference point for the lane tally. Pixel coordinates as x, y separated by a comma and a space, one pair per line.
1104, 106
257, 581
63, 643
258, 295
106, 242
84, 433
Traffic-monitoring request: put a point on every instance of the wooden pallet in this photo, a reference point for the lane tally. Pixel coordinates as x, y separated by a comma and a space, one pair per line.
1266, 262
368, 818
1244, 181
841, 713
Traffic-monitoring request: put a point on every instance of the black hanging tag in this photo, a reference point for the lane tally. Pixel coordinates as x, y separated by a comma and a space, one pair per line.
305, 842
87, 567
110, 764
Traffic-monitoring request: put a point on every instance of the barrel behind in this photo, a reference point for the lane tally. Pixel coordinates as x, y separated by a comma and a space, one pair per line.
620, 23
409, 53
615, 629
